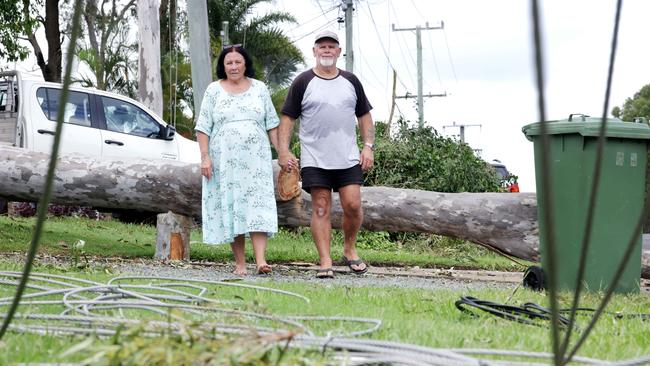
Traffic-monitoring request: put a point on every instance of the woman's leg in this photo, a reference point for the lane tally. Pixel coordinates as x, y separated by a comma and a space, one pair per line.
240, 256
259, 240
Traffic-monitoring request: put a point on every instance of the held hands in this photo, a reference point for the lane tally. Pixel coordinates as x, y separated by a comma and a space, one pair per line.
288, 161
367, 158
206, 166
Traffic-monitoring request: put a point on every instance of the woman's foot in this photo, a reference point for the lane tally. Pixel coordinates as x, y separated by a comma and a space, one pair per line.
264, 269
240, 271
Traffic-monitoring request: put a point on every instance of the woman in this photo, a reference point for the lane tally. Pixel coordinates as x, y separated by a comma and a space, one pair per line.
238, 198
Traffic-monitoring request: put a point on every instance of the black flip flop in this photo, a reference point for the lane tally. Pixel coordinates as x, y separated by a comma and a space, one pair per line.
325, 273
355, 262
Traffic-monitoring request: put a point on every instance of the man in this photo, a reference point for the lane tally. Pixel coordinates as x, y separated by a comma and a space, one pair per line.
329, 103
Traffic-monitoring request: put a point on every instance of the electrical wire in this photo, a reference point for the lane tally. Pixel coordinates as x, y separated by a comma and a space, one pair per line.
383, 48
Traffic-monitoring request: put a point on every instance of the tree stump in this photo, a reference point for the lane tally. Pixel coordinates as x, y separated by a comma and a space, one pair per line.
172, 237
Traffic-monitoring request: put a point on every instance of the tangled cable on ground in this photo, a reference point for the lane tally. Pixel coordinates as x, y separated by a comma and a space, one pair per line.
528, 313
78, 306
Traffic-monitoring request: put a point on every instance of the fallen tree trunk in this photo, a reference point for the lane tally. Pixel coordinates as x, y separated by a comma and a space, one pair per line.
503, 222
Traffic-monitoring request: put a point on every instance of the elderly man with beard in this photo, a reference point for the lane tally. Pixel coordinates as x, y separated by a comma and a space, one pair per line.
329, 102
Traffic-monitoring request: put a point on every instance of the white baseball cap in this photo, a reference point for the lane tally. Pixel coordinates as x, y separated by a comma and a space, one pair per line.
326, 34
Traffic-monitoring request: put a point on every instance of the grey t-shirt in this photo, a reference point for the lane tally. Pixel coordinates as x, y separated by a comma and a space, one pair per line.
327, 109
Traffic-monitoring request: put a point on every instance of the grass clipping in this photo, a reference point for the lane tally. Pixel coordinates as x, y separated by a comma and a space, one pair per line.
134, 347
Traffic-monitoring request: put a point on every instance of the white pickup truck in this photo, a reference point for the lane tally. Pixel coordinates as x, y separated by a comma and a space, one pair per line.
96, 123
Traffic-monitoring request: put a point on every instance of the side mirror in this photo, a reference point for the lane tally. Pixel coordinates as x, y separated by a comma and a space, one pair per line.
168, 132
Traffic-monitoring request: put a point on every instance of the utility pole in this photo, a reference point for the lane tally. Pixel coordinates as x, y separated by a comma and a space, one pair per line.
224, 33
418, 40
462, 129
348, 6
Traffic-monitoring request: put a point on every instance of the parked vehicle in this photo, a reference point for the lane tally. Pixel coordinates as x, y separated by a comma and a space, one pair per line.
96, 123
508, 180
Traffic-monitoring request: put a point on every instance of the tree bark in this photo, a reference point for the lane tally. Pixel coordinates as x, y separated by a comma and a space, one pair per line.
150, 85
172, 237
503, 222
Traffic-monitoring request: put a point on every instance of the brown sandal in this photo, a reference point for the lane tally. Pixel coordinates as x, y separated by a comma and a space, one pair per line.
325, 273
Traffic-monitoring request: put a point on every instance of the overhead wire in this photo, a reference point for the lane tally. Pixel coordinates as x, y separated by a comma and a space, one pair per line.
451, 59
374, 80
314, 30
433, 56
318, 16
374, 24
409, 73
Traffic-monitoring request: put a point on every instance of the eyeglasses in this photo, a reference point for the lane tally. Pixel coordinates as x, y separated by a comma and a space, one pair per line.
227, 47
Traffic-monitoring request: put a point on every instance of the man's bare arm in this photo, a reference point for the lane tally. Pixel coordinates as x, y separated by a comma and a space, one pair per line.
367, 128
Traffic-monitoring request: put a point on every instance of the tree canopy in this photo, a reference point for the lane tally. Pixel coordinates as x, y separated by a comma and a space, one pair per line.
16, 20
20, 20
275, 55
637, 106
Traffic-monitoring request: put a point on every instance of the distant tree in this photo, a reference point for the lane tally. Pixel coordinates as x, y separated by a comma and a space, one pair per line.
276, 56
637, 106
107, 49
178, 97
19, 21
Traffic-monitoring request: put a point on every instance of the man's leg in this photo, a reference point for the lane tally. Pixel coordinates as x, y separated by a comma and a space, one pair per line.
321, 227
350, 196
238, 252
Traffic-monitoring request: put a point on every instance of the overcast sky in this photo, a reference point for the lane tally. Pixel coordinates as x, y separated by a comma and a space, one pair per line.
483, 60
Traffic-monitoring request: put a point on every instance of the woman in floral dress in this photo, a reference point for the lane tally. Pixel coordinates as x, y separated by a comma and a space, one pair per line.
235, 124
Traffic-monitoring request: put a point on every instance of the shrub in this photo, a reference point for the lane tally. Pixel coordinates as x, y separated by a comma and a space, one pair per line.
419, 158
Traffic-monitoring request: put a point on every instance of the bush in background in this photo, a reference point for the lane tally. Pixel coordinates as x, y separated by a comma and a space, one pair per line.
420, 158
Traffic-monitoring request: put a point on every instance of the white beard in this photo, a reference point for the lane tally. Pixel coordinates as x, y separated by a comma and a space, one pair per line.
326, 61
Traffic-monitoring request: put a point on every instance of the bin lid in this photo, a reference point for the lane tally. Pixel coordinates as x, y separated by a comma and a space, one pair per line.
590, 126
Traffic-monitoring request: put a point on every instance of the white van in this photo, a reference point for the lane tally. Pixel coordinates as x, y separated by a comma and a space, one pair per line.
96, 123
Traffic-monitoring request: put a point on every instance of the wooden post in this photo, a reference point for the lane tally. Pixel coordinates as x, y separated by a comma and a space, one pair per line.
172, 237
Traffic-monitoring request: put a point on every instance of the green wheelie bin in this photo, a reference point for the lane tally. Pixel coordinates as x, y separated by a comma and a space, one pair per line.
619, 202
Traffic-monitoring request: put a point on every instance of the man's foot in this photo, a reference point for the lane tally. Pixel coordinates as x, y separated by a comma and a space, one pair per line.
357, 266
325, 273
264, 269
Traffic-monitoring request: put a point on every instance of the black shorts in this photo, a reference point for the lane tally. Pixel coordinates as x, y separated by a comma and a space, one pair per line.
330, 178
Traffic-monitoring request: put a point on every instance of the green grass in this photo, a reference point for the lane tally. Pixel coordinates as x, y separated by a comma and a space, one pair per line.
116, 239
423, 317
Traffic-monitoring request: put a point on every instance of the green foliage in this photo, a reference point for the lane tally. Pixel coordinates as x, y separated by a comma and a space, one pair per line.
637, 106
177, 92
16, 22
107, 51
274, 54
419, 158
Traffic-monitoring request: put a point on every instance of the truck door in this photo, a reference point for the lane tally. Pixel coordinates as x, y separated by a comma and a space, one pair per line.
79, 135
129, 131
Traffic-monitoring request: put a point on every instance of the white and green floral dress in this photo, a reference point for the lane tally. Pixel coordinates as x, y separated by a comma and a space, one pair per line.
239, 198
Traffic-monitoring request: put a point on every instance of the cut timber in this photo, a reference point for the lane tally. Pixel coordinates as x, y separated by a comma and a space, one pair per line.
172, 237
503, 222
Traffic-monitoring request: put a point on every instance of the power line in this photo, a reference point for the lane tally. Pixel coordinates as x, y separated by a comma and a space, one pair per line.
418, 37
374, 24
401, 50
323, 14
314, 31
435, 62
451, 60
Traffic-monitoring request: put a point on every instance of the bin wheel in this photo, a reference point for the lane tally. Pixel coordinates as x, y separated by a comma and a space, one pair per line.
534, 278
